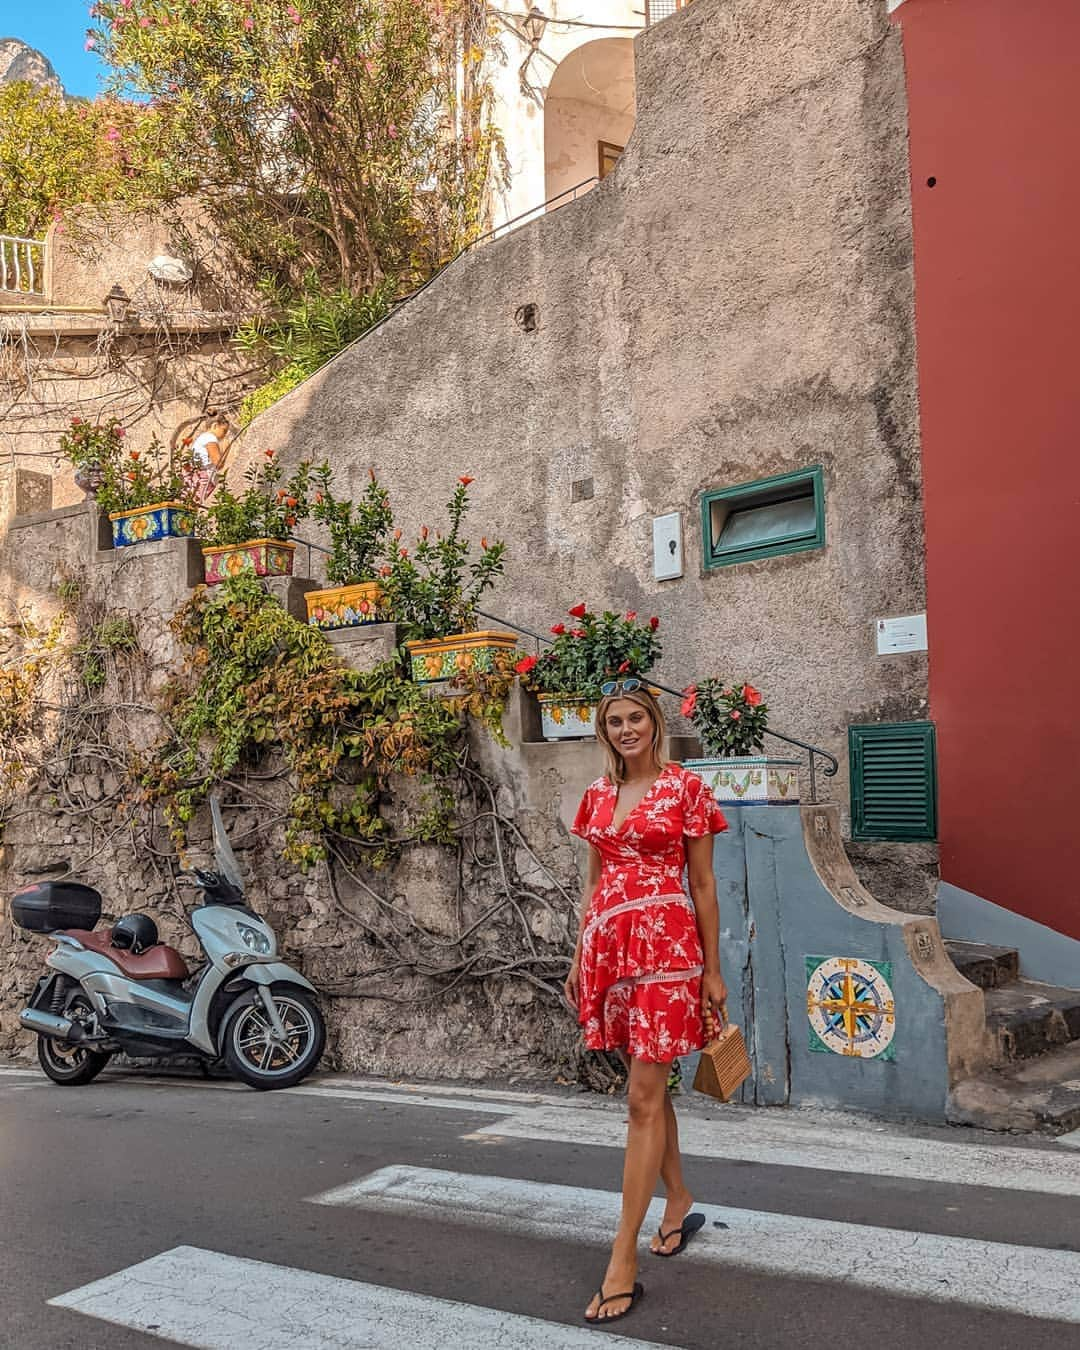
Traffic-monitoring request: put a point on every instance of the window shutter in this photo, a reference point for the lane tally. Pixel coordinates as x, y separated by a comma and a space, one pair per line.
893, 781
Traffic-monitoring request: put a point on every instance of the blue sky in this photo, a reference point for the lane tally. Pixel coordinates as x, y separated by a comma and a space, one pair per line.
57, 28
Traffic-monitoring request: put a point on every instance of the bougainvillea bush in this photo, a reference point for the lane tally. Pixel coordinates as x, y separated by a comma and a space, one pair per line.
730, 718
593, 649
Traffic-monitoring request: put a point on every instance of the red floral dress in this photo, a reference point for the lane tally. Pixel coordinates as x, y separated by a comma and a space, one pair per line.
641, 959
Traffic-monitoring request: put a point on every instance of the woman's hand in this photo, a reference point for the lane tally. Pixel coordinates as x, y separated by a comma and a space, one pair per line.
713, 1002
572, 983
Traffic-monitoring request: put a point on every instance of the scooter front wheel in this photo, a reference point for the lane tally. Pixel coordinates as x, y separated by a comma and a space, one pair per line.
254, 1054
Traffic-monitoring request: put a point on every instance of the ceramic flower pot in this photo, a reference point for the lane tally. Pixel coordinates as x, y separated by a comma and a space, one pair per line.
89, 477
344, 606
750, 780
141, 524
566, 717
435, 659
261, 557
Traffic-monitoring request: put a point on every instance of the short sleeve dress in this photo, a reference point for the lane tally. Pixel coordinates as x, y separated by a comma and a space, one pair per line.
641, 959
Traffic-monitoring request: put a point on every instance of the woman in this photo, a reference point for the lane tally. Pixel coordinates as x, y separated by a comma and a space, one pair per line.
646, 973
207, 458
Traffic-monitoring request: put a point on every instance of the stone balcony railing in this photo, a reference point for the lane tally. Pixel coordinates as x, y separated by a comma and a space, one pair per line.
22, 266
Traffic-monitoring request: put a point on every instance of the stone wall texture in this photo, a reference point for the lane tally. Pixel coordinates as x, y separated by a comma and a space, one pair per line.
733, 302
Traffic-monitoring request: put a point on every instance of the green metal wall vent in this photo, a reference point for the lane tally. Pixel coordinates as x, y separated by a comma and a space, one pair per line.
893, 780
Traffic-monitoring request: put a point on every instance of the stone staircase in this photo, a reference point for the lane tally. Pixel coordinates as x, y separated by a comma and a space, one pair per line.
1036, 1031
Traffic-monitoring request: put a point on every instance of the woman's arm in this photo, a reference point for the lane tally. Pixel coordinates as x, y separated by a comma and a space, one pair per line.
591, 883
699, 867
215, 453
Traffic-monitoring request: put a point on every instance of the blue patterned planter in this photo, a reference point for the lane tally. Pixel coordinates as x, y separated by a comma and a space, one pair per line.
163, 520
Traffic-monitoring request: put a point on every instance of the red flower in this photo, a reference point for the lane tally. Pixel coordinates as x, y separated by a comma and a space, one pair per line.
281, 494
188, 440
269, 454
752, 696
689, 702
385, 571
624, 667
76, 421
631, 615
578, 632
735, 714
404, 552
484, 543
371, 474
654, 623
526, 664
131, 477
465, 480
135, 454
558, 629
397, 534
579, 611
318, 499
291, 501
424, 531
120, 431
290, 520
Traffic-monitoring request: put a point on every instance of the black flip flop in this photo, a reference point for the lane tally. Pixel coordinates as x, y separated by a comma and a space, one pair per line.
691, 1224
633, 1295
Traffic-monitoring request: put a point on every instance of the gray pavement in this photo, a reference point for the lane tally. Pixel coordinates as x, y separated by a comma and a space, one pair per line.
501, 1203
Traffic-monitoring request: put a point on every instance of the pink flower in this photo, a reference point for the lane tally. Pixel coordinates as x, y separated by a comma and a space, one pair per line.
112, 134
391, 131
624, 667
735, 714
293, 13
578, 632
121, 432
145, 22
127, 3
631, 615
89, 45
249, 24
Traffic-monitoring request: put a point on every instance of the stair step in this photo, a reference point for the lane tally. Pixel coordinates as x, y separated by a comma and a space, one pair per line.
988, 967
1041, 1094
1028, 1018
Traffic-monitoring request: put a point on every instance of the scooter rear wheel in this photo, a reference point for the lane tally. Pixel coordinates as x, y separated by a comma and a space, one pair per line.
71, 1065
252, 1055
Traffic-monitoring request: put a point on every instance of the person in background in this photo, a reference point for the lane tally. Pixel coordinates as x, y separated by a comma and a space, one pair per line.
208, 457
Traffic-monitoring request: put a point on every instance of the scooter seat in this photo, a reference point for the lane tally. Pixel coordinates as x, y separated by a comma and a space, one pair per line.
156, 963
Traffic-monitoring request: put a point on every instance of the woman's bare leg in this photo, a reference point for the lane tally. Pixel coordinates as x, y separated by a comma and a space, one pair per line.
679, 1199
646, 1142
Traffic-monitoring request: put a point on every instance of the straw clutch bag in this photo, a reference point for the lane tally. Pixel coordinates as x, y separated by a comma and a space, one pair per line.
724, 1065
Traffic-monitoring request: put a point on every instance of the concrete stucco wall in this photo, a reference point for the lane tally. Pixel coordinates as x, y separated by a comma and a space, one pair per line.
733, 302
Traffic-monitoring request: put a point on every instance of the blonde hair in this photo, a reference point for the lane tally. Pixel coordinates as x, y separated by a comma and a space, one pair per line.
616, 765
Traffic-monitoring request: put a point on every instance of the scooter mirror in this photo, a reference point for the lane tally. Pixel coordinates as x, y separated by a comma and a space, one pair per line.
223, 854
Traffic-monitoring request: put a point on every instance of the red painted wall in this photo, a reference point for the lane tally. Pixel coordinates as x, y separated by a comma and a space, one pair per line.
994, 107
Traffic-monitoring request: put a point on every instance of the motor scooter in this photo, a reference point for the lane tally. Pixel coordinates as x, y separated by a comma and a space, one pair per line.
124, 991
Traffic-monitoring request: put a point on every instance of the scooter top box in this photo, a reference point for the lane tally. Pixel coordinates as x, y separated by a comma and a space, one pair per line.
51, 905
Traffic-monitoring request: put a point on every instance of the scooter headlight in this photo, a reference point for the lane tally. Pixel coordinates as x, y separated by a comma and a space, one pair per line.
253, 940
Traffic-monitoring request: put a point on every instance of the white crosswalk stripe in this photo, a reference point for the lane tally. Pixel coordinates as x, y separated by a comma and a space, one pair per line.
217, 1302
782, 1140
1033, 1281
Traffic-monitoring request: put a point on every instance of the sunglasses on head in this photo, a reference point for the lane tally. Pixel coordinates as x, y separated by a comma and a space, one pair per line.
619, 687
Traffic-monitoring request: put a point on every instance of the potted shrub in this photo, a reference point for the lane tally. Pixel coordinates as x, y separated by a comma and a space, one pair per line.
568, 676
90, 447
731, 719
433, 594
249, 532
147, 497
359, 532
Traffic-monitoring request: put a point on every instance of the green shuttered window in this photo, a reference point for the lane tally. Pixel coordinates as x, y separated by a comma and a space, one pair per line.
893, 781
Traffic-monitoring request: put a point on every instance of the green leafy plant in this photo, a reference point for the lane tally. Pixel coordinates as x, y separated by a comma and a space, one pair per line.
436, 591
730, 718
93, 444
144, 478
260, 681
359, 531
265, 509
593, 650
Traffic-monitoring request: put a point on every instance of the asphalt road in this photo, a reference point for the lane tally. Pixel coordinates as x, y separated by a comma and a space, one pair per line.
836, 1232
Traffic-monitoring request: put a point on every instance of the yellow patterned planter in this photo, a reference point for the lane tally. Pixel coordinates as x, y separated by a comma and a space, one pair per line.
261, 557
434, 659
344, 606
566, 717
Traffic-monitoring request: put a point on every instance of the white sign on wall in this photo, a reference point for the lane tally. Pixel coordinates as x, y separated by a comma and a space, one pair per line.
667, 546
901, 635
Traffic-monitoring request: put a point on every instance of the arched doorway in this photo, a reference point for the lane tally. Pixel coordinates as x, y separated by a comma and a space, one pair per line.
588, 113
